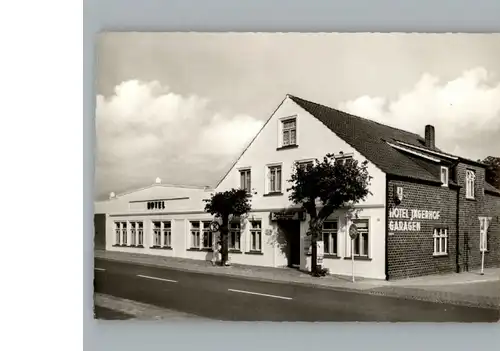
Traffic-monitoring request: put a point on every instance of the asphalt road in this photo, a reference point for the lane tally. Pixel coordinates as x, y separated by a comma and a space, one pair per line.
235, 299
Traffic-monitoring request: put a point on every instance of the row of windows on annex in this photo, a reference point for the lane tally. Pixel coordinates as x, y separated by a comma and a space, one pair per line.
131, 234
274, 185
202, 238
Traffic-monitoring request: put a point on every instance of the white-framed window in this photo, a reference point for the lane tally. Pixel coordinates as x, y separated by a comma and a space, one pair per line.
362, 242
343, 159
305, 164
118, 233
136, 234
245, 180
133, 234
255, 236
124, 233
483, 235
140, 234
444, 175
195, 234
207, 236
156, 234
274, 179
234, 236
330, 231
167, 233
289, 131
440, 241
470, 180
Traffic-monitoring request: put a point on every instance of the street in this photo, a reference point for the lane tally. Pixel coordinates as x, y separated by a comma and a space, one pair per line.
229, 298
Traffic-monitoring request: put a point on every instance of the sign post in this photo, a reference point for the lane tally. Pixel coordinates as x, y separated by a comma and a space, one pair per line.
484, 222
353, 233
320, 253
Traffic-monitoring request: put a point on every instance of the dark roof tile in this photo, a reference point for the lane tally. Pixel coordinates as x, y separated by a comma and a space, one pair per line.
370, 139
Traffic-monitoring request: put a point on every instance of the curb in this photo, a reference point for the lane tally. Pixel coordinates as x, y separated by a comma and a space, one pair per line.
438, 298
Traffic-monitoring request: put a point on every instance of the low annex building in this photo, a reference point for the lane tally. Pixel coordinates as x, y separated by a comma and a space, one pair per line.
429, 211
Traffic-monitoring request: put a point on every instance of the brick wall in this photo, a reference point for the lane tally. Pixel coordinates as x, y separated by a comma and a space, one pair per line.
471, 260
470, 210
411, 253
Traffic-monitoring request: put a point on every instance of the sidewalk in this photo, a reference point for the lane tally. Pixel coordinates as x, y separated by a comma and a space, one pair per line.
467, 289
139, 310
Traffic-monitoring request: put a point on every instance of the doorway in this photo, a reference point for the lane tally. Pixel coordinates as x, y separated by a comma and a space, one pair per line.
291, 233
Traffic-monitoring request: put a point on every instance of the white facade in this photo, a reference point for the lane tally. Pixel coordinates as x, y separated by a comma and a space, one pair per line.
278, 245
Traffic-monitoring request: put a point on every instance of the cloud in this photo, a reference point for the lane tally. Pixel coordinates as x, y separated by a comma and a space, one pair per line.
465, 111
145, 130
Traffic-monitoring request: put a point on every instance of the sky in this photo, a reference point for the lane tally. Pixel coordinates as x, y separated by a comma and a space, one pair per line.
183, 106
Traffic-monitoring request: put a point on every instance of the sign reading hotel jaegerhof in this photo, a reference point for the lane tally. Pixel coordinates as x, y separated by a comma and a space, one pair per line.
408, 220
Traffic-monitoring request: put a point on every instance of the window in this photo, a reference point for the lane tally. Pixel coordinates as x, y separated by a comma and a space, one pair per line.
361, 243
124, 233
289, 132
304, 165
118, 233
234, 236
444, 175
440, 241
483, 235
255, 236
140, 235
136, 236
330, 230
275, 179
195, 235
470, 178
167, 234
133, 234
207, 236
245, 180
344, 159
157, 234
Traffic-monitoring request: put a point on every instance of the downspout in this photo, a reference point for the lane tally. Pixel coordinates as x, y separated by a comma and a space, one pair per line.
386, 226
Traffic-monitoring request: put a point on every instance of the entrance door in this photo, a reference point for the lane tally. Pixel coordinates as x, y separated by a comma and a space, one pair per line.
291, 230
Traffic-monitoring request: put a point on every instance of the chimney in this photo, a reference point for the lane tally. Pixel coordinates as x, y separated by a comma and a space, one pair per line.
430, 141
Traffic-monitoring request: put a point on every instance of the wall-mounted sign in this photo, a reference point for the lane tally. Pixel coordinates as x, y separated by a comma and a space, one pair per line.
288, 215
353, 231
156, 205
406, 219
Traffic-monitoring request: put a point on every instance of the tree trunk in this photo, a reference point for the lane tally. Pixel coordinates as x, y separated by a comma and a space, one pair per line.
224, 240
314, 256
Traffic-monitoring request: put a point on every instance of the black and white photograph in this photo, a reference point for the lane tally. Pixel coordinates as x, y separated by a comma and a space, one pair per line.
297, 177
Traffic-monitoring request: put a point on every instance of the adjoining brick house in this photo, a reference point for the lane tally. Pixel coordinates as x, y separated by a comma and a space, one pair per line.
421, 218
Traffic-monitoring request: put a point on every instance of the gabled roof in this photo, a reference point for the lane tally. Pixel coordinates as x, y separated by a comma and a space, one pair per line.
372, 139
491, 189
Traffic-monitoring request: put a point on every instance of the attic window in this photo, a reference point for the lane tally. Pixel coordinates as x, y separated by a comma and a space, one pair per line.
444, 175
289, 130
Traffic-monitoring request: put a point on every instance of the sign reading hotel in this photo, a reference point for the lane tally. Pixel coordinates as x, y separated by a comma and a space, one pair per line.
408, 220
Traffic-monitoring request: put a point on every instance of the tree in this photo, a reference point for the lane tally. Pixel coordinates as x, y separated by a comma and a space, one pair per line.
324, 187
493, 170
234, 202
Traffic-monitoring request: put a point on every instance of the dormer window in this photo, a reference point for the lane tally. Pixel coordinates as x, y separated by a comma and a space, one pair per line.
444, 176
470, 180
289, 130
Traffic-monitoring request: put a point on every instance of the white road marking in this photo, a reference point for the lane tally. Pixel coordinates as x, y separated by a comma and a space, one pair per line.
254, 293
155, 278
99, 269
